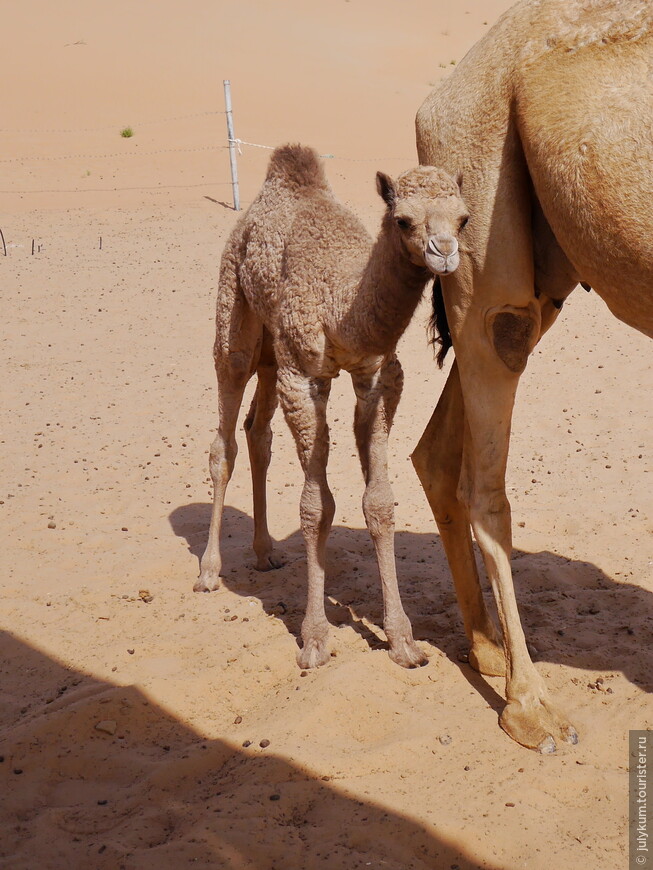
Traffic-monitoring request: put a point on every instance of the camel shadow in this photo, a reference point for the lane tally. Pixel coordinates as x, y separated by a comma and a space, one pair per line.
157, 794
573, 613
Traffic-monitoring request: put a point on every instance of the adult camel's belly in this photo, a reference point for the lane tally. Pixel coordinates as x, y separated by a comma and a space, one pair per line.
585, 119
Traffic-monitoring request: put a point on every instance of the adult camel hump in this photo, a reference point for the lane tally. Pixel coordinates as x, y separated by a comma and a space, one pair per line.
550, 120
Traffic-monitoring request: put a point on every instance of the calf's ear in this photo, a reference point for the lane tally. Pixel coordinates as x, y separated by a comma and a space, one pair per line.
386, 188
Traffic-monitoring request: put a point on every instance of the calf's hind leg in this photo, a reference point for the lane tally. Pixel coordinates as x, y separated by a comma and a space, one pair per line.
235, 361
259, 443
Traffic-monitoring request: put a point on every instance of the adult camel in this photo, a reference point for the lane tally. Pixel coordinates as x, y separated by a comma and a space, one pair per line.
550, 120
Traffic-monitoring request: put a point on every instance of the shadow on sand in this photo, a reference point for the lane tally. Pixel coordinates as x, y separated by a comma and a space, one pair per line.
155, 794
572, 612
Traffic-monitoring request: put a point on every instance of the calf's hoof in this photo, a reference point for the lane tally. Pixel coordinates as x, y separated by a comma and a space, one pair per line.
208, 581
403, 649
315, 651
407, 654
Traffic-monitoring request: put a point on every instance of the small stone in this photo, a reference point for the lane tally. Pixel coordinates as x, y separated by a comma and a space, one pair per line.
238, 720
102, 803
264, 744
52, 525
509, 804
445, 739
463, 657
124, 529
18, 770
131, 652
107, 726
275, 797
247, 743
145, 595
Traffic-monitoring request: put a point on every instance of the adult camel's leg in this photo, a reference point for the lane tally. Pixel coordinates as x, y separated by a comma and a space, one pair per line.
377, 395
259, 443
304, 400
438, 461
492, 348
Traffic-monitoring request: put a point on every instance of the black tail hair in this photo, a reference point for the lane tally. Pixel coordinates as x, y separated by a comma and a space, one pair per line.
439, 325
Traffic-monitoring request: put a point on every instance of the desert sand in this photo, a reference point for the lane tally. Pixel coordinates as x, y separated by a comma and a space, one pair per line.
145, 726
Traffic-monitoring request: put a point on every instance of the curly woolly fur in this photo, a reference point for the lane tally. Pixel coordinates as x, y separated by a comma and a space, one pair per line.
304, 292
297, 167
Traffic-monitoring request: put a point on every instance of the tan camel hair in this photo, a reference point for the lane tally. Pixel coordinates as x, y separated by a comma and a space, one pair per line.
550, 119
304, 293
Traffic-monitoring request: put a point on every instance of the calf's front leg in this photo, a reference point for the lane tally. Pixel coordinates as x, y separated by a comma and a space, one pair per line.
377, 396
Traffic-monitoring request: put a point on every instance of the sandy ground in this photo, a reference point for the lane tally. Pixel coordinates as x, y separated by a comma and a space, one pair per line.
145, 726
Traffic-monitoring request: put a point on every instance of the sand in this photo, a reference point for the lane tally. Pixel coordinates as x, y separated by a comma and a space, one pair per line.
145, 726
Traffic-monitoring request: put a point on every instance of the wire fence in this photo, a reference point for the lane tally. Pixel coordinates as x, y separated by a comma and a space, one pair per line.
233, 144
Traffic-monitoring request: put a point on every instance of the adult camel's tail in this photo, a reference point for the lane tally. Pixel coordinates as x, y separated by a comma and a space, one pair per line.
439, 325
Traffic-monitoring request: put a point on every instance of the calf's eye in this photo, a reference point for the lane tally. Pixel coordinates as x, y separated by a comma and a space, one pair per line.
403, 223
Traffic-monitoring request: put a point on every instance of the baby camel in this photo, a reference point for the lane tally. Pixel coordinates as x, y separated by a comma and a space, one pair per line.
304, 293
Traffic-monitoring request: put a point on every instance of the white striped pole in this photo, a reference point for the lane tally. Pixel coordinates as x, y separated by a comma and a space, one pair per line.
232, 144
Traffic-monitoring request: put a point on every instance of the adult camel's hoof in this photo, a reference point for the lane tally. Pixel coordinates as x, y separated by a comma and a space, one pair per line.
538, 726
208, 581
269, 562
488, 658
